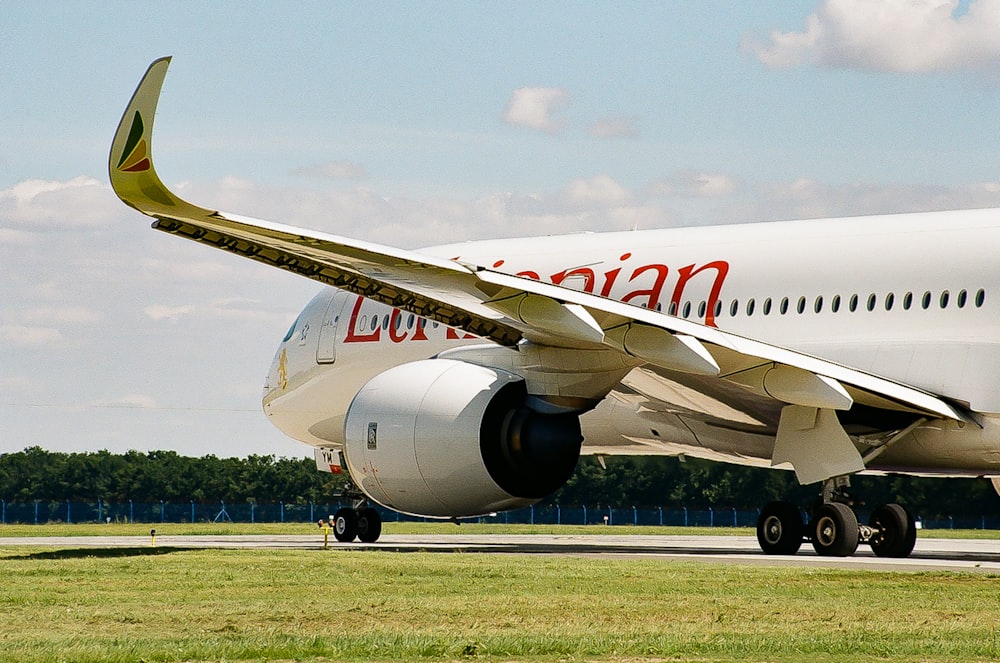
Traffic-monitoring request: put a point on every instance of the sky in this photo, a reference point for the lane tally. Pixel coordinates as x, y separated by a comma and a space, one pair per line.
413, 124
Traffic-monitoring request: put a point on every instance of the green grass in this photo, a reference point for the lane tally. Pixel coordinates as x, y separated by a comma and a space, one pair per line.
145, 604
187, 529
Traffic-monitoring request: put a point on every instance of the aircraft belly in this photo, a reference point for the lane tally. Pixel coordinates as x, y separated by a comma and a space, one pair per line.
947, 448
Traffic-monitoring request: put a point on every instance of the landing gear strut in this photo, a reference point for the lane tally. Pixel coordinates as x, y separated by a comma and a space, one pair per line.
359, 521
833, 527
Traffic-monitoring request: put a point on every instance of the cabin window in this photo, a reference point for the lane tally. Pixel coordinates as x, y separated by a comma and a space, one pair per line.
750, 307
872, 300
926, 300
784, 305
701, 310
409, 322
853, 304
767, 306
890, 299
673, 309
374, 322
734, 308
944, 299
961, 298
687, 309
801, 306
818, 306
907, 301
980, 298
835, 303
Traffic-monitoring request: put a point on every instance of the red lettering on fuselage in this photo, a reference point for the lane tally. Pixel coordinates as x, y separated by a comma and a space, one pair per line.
585, 279
352, 325
721, 268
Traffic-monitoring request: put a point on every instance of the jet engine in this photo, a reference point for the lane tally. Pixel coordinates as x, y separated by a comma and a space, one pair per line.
445, 438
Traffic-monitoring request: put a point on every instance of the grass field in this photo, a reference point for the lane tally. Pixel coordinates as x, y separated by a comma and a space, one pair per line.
146, 604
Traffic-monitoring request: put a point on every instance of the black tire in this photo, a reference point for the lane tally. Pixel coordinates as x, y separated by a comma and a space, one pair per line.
369, 525
834, 530
345, 525
780, 529
895, 531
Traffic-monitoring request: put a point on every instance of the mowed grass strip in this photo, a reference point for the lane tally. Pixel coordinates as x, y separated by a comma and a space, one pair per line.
146, 604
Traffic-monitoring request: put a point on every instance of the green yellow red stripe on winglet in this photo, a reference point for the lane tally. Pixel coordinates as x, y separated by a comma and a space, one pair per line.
134, 157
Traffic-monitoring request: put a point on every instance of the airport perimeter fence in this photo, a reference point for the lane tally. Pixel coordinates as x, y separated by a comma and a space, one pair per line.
42, 511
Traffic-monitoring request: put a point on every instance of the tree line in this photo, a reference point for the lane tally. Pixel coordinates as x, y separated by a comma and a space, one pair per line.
37, 474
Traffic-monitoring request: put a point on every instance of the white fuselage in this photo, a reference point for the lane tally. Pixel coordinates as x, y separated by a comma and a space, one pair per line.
913, 298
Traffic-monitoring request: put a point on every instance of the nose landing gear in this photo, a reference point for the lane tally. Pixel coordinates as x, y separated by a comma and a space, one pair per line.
359, 521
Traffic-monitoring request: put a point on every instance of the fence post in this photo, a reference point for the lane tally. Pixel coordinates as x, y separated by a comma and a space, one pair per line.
685, 515
282, 517
584, 513
951, 522
36, 512
734, 518
711, 517
312, 517
611, 516
559, 516
4, 511
100, 511
532, 507
163, 513
660, 509
131, 513
251, 513
68, 519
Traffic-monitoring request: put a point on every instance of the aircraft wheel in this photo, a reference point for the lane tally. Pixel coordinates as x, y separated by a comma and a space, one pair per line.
369, 525
834, 530
780, 529
345, 525
895, 531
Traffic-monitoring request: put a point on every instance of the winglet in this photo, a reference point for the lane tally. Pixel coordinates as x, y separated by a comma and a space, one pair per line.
130, 163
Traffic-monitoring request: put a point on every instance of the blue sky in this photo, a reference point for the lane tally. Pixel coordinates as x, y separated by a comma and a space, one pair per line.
421, 123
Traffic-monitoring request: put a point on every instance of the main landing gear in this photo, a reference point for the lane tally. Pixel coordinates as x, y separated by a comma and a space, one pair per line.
359, 521
833, 528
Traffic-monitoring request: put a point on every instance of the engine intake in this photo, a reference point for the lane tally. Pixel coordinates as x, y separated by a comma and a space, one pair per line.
446, 438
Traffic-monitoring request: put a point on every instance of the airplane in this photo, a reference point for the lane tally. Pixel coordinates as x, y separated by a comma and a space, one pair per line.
467, 379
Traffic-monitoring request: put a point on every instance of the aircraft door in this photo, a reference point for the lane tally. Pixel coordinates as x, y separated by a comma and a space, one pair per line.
326, 349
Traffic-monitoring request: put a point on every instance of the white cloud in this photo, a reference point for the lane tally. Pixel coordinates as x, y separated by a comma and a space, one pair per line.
12, 237
695, 184
142, 401
159, 312
807, 198
613, 127
70, 314
598, 191
42, 204
533, 107
889, 35
24, 336
334, 170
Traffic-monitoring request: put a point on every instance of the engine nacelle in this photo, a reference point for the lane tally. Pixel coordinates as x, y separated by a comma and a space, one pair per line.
445, 438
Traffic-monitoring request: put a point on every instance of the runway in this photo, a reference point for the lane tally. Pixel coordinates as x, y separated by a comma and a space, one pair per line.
981, 556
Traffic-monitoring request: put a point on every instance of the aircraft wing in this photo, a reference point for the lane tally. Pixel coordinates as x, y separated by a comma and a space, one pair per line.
500, 307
